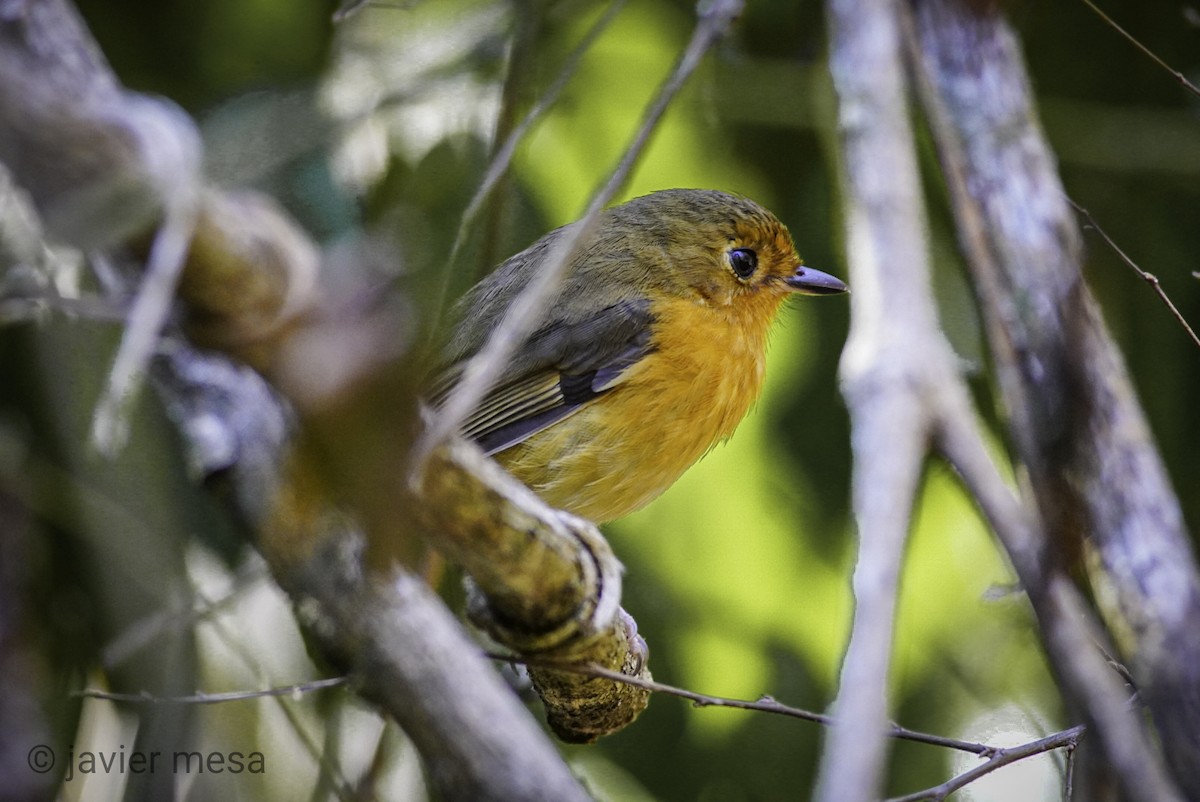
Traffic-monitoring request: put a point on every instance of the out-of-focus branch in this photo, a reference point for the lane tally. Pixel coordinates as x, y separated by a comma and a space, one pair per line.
504, 151
411, 657
1098, 482
102, 164
401, 645
547, 585
247, 289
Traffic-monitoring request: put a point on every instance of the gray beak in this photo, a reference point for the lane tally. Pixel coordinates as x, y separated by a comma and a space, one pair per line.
807, 281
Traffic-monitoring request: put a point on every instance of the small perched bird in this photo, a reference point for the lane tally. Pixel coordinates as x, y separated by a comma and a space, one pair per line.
651, 352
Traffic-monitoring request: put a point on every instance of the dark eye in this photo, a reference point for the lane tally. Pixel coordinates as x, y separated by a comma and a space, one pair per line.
743, 261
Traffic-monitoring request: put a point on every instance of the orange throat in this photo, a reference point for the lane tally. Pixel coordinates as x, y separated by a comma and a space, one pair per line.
621, 451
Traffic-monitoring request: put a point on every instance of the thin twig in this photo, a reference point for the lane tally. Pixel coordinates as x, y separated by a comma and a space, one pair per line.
1069, 774
22, 308
764, 704
1002, 757
139, 634
996, 757
1184, 82
504, 154
283, 701
349, 8
1117, 666
148, 315
1145, 276
527, 32
212, 698
485, 367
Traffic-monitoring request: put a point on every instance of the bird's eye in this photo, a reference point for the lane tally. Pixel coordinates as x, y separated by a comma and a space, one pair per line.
743, 261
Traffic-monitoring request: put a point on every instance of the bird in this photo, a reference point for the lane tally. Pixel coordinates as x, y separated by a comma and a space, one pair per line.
651, 351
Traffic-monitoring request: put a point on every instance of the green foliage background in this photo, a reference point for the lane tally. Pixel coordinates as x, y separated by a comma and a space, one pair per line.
740, 575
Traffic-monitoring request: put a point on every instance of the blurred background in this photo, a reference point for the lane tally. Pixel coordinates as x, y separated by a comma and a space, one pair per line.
378, 129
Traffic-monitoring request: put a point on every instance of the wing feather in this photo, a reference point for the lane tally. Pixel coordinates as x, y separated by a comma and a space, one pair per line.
564, 365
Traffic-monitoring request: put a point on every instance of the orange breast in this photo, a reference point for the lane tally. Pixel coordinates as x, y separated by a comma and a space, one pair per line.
621, 451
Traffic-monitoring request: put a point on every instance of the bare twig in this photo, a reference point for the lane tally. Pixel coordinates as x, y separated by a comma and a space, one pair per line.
499, 165
1145, 276
1176, 74
482, 370
996, 757
301, 727
142, 632
24, 307
1069, 774
1067, 739
348, 8
764, 704
201, 698
147, 316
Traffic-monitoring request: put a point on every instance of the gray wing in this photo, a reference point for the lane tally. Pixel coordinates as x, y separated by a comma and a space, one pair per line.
563, 366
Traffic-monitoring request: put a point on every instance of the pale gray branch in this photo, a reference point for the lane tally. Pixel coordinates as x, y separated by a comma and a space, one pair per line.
1101, 490
893, 353
1075, 423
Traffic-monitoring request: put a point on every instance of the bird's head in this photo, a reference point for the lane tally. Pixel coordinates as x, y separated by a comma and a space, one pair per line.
715, 248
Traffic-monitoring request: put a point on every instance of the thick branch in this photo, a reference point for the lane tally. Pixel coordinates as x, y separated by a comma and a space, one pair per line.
548, 585
248, 275
893, 353
101, 163
1069, 629
910, 359
412, 658
1075, 421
